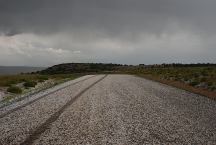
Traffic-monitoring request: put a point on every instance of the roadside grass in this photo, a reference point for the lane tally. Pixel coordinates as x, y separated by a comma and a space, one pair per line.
200, 80
29, 84
15, 90
31, 80
8, 80
8, 98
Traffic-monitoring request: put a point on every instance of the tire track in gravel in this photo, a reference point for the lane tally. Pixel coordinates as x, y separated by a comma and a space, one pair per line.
42, 128
37, 99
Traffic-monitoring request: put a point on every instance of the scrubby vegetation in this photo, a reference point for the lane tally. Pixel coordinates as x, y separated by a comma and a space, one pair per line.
14, 83
8, 98
199, 79
203, 77
15, 90
6, 81
30, 84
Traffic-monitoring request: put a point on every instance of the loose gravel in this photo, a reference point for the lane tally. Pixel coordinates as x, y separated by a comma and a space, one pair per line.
127, 110
31, 98
17, 126
120, 110
2, 95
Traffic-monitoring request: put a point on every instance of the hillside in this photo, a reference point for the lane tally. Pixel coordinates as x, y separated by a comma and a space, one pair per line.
68, 68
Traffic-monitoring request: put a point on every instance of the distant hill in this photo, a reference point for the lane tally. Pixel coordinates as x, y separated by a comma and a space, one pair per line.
9, 70
68, 68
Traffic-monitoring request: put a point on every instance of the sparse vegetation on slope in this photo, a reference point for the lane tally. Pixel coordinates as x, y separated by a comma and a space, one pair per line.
200, 80
24, 84
30, 84
15, 90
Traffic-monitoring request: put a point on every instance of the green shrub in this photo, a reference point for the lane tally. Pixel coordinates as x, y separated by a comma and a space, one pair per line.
194, 83
15, 90
204, 79
43, 78
196, 75
213, 88
177, 79
186, 79
210, 83
204, 73
23, 80
30, 84
41, 81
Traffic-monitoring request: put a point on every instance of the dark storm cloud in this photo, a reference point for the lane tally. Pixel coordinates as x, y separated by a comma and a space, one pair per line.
127, 27
113, 16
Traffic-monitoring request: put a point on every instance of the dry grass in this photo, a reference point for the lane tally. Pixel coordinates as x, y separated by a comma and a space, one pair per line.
181, 85
8, 80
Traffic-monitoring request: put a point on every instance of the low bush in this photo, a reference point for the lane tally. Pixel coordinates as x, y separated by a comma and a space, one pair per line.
41, 81
194, 83
213, 88
14, 89
210, 84
203, 79
30, 84
43, 78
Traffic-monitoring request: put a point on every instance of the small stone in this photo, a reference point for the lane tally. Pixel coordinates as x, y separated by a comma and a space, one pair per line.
2, 95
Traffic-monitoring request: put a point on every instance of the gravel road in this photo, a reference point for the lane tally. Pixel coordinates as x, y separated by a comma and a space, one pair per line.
113, 109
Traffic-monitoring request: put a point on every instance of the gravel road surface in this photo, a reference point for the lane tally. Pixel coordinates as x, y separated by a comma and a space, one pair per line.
113, 109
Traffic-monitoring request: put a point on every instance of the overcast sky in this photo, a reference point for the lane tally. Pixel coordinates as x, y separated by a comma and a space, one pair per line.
48, 32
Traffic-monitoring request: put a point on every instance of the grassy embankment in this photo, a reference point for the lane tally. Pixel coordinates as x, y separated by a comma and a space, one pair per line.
200, 80
23, 83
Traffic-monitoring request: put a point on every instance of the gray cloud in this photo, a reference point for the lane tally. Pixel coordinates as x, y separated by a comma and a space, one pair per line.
119, 31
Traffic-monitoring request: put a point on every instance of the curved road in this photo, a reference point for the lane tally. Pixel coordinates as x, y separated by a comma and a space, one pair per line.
113, 109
